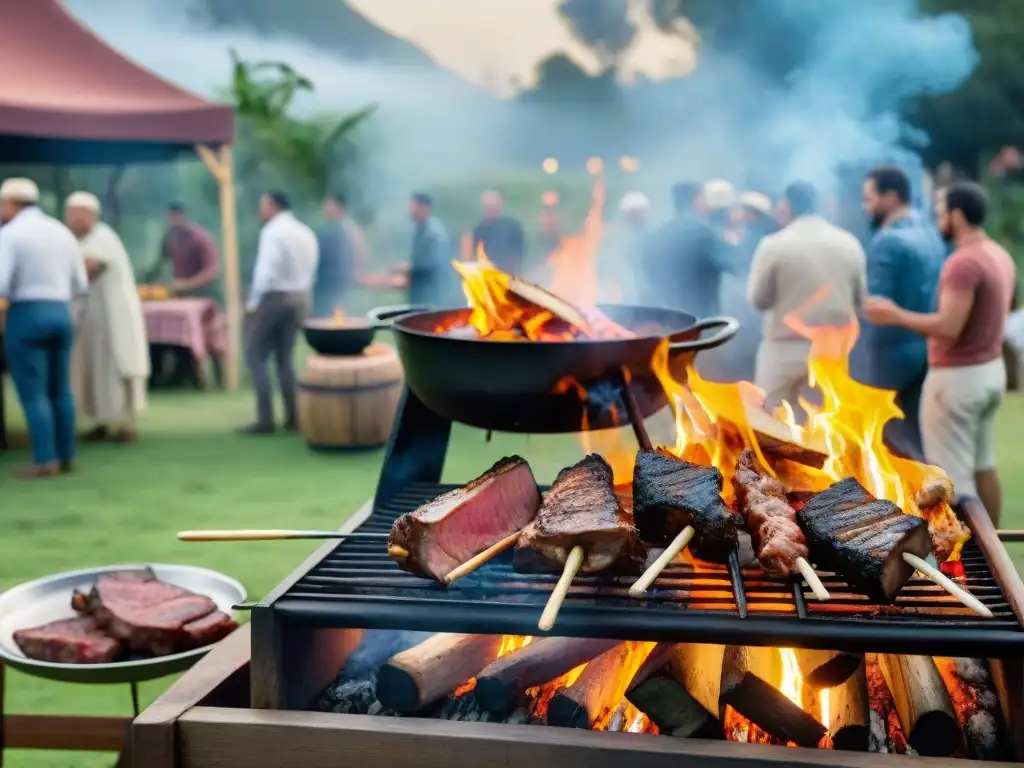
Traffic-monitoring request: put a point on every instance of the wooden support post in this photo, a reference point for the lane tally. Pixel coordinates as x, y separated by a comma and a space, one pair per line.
219, 164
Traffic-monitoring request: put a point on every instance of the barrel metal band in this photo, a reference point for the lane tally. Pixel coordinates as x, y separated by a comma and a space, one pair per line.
327, 390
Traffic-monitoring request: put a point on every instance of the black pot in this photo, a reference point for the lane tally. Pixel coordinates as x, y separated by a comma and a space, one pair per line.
521, 386
346, 337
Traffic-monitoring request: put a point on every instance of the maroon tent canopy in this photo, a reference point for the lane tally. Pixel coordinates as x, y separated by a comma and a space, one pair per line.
67, 97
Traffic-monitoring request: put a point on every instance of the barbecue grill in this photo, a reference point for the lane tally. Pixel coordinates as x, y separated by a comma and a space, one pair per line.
355, 585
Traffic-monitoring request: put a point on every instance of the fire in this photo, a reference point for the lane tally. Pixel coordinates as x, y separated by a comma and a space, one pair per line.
573, 263
338, 316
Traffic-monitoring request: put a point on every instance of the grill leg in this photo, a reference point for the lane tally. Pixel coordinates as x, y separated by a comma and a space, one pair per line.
416, 449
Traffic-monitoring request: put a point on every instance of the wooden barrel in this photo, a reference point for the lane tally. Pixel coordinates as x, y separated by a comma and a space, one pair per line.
348, 403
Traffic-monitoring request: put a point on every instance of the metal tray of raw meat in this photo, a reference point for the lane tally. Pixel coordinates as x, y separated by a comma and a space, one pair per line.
49, 599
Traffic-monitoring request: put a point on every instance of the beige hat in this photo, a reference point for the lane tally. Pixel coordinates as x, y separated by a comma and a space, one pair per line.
634, 201
718, 193
756, 201
84, 200
19, 190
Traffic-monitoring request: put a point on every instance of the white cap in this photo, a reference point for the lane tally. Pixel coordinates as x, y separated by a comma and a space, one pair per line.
19, 190
756, 201
84, 200
718, 193
634, 201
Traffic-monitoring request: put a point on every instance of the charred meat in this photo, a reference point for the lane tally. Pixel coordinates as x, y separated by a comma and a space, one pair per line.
446, 532
580, 509
862, 538
771, 520
670, 494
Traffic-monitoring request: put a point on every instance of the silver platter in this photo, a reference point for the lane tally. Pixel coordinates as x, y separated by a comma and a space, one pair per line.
49, 599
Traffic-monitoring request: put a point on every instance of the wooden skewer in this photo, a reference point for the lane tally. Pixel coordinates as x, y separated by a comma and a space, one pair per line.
641, 585
817, 588
274, 535
938, 577
478, 560
572, 564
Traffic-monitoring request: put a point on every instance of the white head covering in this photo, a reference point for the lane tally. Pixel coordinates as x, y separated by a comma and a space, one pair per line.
19, 190
634, 201
756, 201
84, 200
718, 193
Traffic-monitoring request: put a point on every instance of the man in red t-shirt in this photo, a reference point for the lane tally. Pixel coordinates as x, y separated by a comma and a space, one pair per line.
966, 377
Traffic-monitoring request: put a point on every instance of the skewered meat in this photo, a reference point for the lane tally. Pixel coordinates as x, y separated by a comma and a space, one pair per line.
771, 521
446, 532
863, 539
580, 509
670, 494
934, 491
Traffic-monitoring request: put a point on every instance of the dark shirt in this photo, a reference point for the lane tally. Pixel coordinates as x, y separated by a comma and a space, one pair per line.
903, 264
682, 267
502, 240
335, 268
431, 275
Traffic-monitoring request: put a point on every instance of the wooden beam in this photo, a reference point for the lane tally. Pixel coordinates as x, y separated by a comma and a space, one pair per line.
65, 732
220, 165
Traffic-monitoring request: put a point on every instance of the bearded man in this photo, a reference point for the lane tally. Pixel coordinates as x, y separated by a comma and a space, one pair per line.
904, 258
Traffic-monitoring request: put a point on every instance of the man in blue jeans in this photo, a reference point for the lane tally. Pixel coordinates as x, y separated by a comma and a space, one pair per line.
41, 270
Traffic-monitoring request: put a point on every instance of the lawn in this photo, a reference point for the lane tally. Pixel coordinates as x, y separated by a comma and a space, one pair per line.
125, 504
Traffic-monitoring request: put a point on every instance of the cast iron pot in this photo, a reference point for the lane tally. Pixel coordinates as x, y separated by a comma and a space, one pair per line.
527, 386
345, 337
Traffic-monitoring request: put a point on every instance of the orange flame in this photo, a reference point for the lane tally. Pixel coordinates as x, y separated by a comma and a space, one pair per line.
573, 263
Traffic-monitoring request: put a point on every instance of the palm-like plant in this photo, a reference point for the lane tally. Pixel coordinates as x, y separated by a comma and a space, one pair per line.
302, 149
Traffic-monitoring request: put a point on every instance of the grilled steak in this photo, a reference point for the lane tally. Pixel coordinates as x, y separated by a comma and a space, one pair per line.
862, 538
68, 641
580, 509
771, 521
146, 614
207, 630
670, 494
448, 531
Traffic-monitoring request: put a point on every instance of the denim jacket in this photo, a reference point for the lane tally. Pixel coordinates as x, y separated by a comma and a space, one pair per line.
904, 260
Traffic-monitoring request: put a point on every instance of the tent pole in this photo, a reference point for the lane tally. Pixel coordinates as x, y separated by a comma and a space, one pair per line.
229, 237
220, 167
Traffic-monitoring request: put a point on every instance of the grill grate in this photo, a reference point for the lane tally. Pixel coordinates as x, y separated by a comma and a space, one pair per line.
357, 585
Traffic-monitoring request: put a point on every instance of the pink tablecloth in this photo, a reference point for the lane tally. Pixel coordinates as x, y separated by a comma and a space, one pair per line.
199, 324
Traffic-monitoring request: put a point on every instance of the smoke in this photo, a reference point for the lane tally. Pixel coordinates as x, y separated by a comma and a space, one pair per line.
429, 120
761, 109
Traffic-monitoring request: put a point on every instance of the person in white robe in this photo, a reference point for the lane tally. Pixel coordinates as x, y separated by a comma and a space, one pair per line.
112, 354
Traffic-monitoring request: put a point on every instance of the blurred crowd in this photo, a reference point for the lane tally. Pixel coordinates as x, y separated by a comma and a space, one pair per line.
931, 290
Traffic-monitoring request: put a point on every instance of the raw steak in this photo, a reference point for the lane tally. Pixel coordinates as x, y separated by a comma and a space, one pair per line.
448, 531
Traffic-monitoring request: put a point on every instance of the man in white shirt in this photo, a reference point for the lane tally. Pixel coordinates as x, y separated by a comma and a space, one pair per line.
278, 302
112, 353
812, 270
41, 271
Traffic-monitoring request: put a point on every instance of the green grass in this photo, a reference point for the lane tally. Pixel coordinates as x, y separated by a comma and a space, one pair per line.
125, 504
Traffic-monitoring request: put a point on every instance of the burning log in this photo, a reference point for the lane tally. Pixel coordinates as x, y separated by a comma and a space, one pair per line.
657, 693
745, 687
598, 690
923, 704
414, 678
826, 669
777, 441
699, 669
502, 682
849, 713
973, 693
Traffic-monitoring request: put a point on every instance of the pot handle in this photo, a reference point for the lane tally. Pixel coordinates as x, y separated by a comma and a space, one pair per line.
729, 326
381, 317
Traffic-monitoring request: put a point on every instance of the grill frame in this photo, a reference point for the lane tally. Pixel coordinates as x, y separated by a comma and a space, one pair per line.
355, 584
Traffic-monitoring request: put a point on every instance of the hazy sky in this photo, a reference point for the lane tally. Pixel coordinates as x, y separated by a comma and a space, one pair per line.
496, 41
